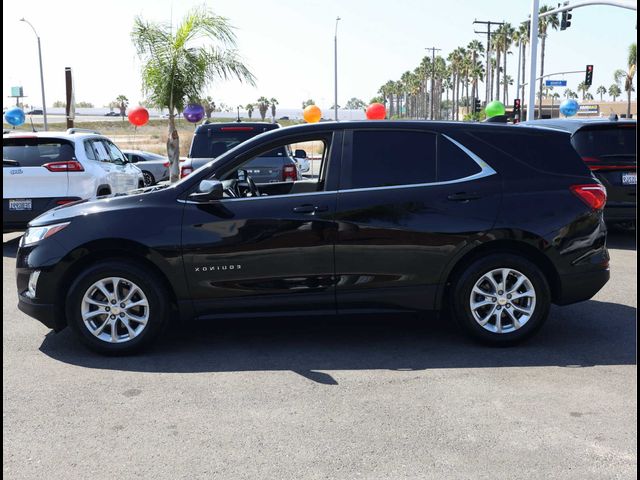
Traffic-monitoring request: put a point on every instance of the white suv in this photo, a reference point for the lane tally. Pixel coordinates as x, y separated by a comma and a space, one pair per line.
42, 170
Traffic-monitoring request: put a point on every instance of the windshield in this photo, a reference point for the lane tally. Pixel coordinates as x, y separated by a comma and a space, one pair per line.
218, 143
607, 145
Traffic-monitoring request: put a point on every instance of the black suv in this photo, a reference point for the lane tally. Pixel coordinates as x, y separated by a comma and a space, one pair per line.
608, 147
491, 222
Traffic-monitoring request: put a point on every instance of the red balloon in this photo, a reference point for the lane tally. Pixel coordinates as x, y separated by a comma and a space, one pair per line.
138, 116
376, 111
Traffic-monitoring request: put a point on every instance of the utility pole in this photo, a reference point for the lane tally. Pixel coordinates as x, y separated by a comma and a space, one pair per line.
488, 32
433, 74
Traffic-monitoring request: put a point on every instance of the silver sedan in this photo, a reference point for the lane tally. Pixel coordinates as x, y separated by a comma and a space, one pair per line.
155, 168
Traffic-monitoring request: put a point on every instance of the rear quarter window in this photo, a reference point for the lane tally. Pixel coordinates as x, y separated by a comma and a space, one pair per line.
35, 152
453, 162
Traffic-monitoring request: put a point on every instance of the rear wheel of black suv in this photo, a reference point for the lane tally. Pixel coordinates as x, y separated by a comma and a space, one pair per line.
117, 308
501, 299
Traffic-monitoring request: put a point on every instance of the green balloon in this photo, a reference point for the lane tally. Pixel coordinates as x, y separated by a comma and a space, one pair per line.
494, 109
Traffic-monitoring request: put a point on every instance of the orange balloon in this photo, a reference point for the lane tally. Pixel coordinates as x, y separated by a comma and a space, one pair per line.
376, 111
312, 114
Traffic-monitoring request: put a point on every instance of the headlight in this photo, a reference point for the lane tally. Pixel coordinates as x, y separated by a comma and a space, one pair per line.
35, 234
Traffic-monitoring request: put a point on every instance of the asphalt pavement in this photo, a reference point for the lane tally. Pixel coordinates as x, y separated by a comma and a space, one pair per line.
370, 398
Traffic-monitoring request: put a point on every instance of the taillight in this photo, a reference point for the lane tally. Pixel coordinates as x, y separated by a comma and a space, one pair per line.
65, 201
184, 171
166, 164
595, 168
289, 173
593, 195
71, 166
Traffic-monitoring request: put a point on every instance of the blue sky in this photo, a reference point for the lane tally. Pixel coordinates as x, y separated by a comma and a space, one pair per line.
288, 44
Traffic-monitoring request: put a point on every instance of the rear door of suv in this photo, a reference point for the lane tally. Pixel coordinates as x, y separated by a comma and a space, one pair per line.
609, 151
35, 175
407, 200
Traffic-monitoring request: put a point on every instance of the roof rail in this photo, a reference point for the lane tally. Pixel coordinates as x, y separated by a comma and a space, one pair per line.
81, 130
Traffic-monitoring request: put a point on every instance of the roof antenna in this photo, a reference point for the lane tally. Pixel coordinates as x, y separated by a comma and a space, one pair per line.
238, 120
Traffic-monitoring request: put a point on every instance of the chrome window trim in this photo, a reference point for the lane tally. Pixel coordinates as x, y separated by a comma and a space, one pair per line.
485, 171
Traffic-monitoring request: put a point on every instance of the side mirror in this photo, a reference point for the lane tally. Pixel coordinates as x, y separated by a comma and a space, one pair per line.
208, 190
300, 154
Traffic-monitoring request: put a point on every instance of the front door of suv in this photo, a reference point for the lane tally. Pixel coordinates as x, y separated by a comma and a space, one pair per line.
408, 201
268, 253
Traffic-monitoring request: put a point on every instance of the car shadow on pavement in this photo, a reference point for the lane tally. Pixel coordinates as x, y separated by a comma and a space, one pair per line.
582, 335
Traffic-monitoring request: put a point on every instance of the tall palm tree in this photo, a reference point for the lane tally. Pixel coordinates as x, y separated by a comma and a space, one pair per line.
521, 37
440, 72
177, 65
122, 103
584, 88
619, 75
614, 91
502, 40
263, 106
544, 23
476, 50
273, 103
601, 91
587, 96
249, 108
507, 81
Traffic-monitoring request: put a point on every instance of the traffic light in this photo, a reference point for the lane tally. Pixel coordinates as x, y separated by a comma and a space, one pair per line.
566, 18
477, 106
516, 109
588, 76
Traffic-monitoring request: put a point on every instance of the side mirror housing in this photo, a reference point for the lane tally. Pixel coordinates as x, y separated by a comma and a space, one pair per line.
208, 190
300, 154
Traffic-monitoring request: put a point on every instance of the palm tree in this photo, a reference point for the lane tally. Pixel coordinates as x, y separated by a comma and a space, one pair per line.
503, 38
587, 96
475, 49
544, 24
209, 106
567, 92
507, 81
601, 91
521, 37
177, 65
249, 108
584, 88
632, 60
122, 103
614, 91
273, 103
263, 106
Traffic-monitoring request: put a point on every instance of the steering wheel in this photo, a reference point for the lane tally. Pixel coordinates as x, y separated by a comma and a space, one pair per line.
252, 187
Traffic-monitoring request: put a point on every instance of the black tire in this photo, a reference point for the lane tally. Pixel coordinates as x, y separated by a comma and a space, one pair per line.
149, 180
464, 283
152, 288
103, 192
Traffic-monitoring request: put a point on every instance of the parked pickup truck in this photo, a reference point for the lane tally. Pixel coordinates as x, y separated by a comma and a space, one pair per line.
213, 139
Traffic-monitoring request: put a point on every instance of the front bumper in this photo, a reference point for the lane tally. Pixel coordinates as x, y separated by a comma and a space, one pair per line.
43, 312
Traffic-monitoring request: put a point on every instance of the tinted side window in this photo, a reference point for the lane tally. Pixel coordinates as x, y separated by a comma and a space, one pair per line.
387, 158
453, 162
606, 144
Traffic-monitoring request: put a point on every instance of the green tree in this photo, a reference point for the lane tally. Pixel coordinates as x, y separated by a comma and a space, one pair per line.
587, 96
475, 50
521, 38
628, 75
614, 91
263, 106
273, 103
355, 104
601, 91
308, 102
179, 63
584, 88
544, 24
59, 104
249, 108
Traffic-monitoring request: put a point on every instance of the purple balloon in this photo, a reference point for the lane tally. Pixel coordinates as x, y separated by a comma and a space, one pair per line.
193, 113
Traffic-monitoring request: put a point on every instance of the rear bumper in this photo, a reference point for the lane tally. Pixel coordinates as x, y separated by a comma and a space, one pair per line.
581, 286
622, 212
17, 220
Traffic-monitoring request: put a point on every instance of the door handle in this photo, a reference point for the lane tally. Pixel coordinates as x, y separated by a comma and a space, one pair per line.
310, 209
463, 197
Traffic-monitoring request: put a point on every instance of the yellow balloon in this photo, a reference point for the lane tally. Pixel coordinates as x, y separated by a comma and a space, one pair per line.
312, 114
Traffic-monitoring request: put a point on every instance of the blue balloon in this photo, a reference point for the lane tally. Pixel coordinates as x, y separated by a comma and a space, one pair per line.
14, 116
569, 107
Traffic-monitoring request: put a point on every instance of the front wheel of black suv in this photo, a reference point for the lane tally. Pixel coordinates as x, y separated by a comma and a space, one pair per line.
117, 308
501, 299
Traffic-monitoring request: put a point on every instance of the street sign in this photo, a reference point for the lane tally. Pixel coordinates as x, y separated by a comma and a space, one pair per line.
555, 83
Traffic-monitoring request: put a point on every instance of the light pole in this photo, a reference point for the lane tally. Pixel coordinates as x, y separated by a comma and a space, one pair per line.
44, 104
335, 83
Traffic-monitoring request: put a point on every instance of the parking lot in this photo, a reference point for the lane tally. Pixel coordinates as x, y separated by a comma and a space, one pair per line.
341, 398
